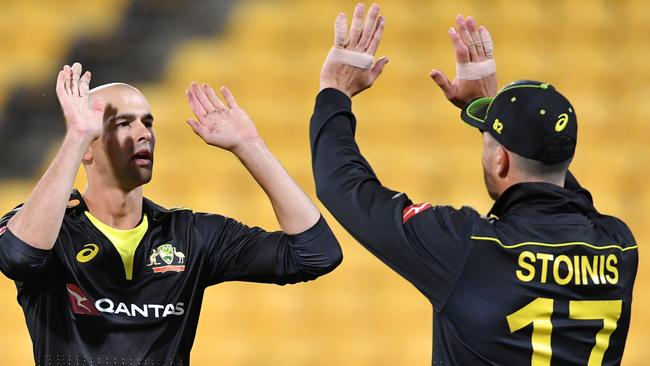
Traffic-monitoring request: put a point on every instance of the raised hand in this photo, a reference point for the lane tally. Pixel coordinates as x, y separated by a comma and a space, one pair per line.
474, 51
349, 66
83, 117
224, 126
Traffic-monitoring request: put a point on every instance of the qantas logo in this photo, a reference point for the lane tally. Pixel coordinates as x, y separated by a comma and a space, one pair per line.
413, 210
82, 304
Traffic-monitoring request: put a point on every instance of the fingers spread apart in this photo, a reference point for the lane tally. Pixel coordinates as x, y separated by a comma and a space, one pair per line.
71, 83
474, 51
212, 96
204, 100
359, 46
373, 44
466, 38
369, 28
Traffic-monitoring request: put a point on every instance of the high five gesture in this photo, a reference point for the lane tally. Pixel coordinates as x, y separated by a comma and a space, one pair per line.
349, 66
223, 125
83, 116
475, 68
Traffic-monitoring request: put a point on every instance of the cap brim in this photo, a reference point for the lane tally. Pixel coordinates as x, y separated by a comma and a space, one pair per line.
475, 112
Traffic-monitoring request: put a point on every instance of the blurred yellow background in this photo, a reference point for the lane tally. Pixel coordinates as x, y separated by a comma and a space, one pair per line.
270, 54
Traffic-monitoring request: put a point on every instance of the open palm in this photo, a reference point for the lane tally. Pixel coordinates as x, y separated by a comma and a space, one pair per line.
472, 45
224, 126
83, 116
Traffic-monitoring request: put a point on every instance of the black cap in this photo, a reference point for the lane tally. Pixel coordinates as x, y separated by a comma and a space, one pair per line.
530, 119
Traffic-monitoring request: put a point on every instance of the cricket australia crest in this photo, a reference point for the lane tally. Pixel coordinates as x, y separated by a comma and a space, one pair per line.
172, 259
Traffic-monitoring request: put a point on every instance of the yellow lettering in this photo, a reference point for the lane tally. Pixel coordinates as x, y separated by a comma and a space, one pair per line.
545, 258
576, 269
556, 270
497, 126
613, 279
601, 269
526, 255
590, 269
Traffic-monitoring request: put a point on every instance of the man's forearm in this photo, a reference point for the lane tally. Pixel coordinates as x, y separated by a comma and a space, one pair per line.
294, 210
39, 220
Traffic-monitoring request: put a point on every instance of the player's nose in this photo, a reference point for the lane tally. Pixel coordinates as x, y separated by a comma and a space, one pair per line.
142, 131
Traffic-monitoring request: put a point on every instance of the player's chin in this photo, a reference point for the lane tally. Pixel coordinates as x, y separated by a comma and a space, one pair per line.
143, 174
146, 175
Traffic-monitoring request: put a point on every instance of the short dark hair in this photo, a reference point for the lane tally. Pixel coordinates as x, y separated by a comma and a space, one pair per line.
537, 169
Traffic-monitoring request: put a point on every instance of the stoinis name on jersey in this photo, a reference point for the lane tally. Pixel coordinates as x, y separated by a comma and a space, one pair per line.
568, 269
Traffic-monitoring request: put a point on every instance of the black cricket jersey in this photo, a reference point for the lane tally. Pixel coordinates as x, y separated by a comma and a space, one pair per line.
544, 279
85, 305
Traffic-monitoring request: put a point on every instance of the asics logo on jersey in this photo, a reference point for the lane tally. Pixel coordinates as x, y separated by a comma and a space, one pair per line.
88, 253
413, 210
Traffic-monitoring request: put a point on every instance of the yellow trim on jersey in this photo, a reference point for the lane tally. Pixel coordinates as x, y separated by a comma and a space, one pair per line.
553, 245
125, 241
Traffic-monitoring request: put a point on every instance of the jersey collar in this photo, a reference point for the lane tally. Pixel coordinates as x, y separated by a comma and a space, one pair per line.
154, 211
544, 198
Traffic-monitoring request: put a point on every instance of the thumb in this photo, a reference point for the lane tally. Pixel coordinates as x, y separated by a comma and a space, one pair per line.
378, 67
442, 80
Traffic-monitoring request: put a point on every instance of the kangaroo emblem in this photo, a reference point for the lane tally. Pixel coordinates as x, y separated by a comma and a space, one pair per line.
79, 299
152, 258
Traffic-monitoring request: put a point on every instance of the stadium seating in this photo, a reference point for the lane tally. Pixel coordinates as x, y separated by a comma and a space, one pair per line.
270, 56
36, 35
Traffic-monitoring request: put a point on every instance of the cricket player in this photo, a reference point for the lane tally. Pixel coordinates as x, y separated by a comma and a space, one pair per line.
107, 277
543, 278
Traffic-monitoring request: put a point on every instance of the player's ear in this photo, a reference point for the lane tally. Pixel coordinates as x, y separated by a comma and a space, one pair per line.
502, 162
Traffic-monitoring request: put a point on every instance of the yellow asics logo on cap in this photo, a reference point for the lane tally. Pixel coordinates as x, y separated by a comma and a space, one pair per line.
88, 253
563, 120
497, 126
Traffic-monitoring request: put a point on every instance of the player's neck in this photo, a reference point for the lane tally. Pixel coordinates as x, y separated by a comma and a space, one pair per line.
115, 207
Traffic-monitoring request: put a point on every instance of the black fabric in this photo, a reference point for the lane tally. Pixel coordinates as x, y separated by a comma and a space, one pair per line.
476, 270
88, 313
